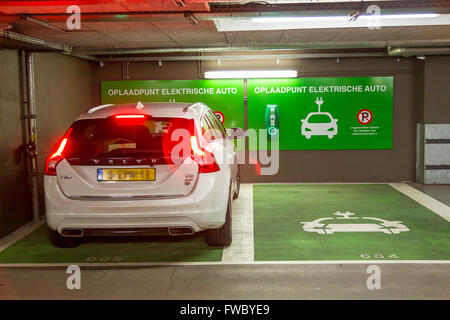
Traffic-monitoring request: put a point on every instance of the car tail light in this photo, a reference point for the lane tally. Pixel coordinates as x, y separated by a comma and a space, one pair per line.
57, 157
130, 119
130, 116
206, 161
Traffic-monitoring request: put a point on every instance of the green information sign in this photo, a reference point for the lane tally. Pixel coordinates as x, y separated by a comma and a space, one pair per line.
226, 97
305, 114
323, 113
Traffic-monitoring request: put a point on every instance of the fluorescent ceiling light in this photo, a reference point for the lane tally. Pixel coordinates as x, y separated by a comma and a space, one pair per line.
345, 18
249, 74
310, 22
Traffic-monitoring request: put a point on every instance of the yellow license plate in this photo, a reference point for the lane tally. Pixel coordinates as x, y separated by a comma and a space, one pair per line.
142, 174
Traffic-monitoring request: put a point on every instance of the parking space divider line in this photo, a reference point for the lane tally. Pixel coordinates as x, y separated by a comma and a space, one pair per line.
425, 200
19, 234
242, 247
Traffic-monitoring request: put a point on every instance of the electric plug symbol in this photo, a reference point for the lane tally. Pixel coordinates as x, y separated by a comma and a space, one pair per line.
319, 102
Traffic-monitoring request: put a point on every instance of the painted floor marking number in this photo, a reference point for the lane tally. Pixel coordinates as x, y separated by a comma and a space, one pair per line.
378, 256
104, 259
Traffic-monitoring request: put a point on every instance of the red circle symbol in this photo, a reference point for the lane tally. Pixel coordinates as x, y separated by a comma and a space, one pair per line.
220, 116
365, 116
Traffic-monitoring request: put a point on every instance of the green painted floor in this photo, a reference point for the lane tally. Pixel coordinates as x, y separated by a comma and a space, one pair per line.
36, 248
407, 231
279, 235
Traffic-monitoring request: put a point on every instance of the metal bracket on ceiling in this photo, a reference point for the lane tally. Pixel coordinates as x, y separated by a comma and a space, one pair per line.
190, 16
41, 23
180, 3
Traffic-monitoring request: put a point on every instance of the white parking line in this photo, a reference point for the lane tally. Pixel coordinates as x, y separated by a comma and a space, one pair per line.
425, 200
18, 234
215, 263
242, 248
312, 183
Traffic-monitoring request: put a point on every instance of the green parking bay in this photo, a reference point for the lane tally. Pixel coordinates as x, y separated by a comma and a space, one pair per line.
381, 224
36, 248
291, 223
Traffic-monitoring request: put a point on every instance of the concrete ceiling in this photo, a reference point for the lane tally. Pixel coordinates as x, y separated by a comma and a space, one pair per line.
124, 24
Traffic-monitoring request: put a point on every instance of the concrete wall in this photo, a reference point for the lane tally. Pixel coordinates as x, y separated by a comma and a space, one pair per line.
15, 204
436, 97
397, 164
63, 91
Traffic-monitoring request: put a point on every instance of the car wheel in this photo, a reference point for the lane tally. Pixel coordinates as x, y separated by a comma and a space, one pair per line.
330, 136
221, 237
238, 184
61, 241
308, 136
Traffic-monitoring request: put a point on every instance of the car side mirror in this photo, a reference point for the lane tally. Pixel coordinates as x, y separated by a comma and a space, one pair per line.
236, 133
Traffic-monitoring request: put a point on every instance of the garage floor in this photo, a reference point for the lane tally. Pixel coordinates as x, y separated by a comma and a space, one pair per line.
313, 241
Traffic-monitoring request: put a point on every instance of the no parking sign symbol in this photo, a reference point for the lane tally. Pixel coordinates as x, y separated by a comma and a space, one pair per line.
365, 116
220, 116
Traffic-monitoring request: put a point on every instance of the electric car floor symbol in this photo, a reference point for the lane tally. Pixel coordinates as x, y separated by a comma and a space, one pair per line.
347, 222
319, 123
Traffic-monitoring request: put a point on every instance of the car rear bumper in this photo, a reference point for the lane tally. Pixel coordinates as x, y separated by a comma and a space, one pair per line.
205, 208
127, 227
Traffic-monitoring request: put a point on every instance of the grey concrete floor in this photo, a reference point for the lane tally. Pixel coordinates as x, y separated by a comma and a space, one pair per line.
439, 192
340, 281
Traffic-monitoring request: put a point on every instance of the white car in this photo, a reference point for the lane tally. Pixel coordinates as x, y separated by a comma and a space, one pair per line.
142, 169
319, 124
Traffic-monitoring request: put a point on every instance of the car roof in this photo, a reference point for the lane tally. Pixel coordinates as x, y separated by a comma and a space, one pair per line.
319, 113
155, 109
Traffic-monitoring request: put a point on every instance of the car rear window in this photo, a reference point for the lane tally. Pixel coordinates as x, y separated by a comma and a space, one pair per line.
99, 138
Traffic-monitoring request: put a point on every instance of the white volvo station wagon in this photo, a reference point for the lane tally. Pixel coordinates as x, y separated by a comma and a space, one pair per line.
142, 169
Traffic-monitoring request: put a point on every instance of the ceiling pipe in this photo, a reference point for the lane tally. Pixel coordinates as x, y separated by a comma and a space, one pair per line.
34, 41
410, 52
81, 56
248, 57
61, 48
303, 46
